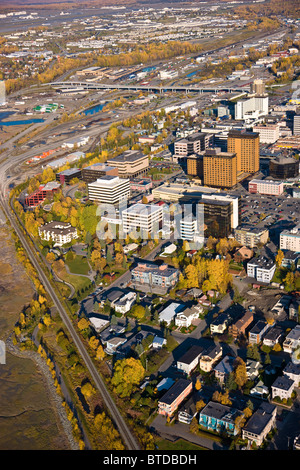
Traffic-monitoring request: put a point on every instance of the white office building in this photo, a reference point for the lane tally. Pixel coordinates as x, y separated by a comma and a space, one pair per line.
143, 219
251, 108
109, 190
290, 239
268, 134
270, 187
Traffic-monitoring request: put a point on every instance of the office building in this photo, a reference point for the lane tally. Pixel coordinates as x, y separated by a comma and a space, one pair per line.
109, 190
45, 191
130, 164
246, 147
296, 124
192, 144
290, 239
284, 167
270, 187
219, 168
268, 133
93, 172
194, 165
142, 219
66, 176
258, 87
251, 236
251, 108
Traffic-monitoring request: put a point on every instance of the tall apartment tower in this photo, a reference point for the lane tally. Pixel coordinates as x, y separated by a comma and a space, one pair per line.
296, 124
246, 146
258, 87
219, 168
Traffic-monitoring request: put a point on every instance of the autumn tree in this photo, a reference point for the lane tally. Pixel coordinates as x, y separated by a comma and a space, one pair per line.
128, 373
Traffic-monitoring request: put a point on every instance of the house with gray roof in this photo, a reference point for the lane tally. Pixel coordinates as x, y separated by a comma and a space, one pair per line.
219, 418
260, 424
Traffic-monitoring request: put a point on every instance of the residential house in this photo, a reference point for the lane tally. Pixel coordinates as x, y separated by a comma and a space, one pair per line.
130, 345
260, 424
186, 317
170, 401
219, 418
158, 342
292, 371
240, 326
219, 324
124, 303
189, 361
224, 368
113, 344
292, 340
257, 332
294, 309
252, 368
282, 387
167, 315
210, 357
272, 336
242, 254
260, 390
188, 410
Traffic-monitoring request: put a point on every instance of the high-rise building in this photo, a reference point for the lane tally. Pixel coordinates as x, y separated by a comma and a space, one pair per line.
192, 144
219, 168
144, 219
109, 190
194, 165
93, 172
296, 124
246, 146
130, 164
258, 87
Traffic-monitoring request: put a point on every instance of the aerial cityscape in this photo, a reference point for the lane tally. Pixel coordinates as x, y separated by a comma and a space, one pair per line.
150, 227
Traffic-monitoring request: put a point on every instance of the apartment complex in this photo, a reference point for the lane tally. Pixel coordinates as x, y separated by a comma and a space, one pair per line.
290, 239
143, 219
240, 326
251, 236
150, 275
130, 164
261, 268
93, 172
219, 168
59, 232
109, 190
194, 165
245, 145
170, 401
270, 187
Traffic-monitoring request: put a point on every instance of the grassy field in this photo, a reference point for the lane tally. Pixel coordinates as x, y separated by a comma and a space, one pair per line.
78, 265
180, 444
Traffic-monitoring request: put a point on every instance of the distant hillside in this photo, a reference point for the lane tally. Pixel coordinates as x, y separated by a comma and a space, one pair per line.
70, 4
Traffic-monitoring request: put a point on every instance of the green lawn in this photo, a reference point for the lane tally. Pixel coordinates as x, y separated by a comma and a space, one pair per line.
180, 444
78, 265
